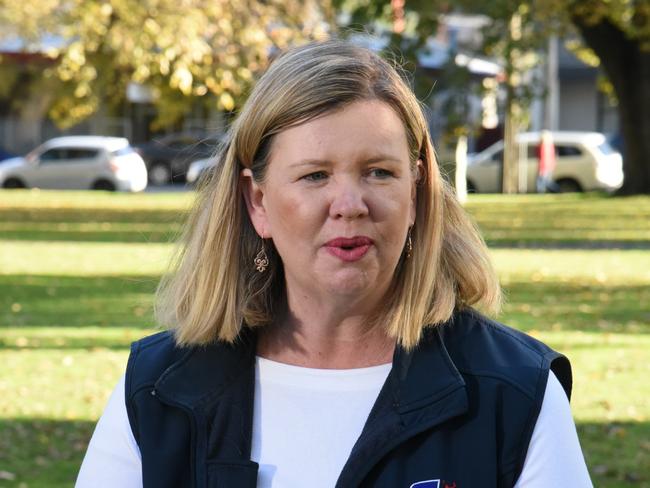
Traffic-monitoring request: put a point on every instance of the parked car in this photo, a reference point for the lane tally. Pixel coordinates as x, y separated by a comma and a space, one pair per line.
198, 168
169, 157
585, 161
77, 162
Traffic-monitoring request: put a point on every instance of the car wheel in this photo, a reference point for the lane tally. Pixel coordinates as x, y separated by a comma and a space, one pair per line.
14, 183
104, 185
471, 188
159, 174
567, 185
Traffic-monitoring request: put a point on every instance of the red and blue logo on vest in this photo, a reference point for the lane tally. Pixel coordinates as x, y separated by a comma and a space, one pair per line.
432, 484
426, 484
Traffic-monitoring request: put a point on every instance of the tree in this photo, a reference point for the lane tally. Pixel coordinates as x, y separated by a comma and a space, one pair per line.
187, 52
618, 32
515, 38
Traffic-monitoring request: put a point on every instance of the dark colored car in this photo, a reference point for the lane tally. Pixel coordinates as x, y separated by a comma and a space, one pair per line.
5, 154
617, 142
168, 158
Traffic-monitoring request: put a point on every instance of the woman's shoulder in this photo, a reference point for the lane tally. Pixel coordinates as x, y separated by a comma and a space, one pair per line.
482, 347
159, 349
150, 357
163, 339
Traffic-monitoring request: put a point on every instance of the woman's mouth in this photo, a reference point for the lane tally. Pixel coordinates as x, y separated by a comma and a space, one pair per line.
349, 249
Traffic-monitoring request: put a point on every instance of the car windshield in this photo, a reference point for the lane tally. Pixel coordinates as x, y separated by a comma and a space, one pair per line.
605, 148
33, 154
123, 151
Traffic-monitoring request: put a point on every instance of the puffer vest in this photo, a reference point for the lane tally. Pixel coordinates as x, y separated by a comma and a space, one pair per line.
458, 410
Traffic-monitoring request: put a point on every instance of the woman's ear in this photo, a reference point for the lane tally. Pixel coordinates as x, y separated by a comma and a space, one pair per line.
254, 198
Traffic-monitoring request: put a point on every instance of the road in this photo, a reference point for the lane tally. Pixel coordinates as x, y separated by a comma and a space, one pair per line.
168, 188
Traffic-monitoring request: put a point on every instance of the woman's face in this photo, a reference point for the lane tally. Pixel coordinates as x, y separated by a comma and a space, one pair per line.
337, 200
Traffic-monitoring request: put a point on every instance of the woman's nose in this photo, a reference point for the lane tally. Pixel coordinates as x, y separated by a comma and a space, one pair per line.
348, 201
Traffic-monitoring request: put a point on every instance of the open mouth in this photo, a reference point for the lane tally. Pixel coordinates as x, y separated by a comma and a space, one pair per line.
349, 248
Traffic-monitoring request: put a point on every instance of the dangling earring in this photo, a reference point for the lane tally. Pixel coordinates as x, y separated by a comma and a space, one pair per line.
261, 260
409, 244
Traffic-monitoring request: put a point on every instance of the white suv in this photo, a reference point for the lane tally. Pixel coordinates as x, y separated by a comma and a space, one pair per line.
77, 162
585, 161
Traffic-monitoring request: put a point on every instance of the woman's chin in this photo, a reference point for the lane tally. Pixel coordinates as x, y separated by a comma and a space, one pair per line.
351, 283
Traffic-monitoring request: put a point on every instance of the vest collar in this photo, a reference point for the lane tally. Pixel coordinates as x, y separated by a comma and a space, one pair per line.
424, 375
418, 377
203, 372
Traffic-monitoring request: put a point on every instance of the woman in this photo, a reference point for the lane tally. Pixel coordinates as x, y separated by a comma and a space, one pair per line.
323, 333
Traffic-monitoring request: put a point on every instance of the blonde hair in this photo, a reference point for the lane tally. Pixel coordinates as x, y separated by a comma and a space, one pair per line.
214, 289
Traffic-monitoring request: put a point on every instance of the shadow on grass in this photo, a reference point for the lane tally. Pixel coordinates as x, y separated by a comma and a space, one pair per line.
42, 452
85, 215
588, 221
617, 453
556, 306
134, 236
533, 242
76, 301
48, 453
127, 301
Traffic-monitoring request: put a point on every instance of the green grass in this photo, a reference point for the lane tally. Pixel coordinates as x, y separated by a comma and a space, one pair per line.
75, 301
79, 216
77, 273
585, 220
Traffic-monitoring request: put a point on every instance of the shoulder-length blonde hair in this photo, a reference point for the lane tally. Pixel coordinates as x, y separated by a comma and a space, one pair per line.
215, 290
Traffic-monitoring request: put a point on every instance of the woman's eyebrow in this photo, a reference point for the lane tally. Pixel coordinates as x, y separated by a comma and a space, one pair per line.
382, 158
379, 158
310, 162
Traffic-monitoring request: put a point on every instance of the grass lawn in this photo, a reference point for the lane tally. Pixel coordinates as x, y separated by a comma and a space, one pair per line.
584, 220
77, 272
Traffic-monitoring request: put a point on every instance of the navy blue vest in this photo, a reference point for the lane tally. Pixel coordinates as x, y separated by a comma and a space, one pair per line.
459, 408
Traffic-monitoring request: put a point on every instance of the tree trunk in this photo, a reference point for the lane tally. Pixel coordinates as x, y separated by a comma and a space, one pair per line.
510, 147
461, 169
510, 181
628, 69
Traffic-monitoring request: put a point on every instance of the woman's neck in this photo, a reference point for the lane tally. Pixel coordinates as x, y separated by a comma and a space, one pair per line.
325, 339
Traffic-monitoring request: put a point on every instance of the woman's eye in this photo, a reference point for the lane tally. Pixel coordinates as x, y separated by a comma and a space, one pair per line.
316, 176
380, 173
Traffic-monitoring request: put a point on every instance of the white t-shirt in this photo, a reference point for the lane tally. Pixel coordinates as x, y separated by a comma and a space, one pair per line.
327, 410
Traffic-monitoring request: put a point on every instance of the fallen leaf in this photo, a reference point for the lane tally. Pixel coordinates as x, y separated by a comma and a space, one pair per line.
600, 469
6, 475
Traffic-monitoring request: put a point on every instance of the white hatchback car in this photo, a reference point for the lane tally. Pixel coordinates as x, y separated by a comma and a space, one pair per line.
585, 161
77, 163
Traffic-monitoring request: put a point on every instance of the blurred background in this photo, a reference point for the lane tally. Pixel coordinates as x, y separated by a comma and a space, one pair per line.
539, 112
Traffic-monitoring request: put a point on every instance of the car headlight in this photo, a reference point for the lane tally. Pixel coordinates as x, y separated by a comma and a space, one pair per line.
193, 172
